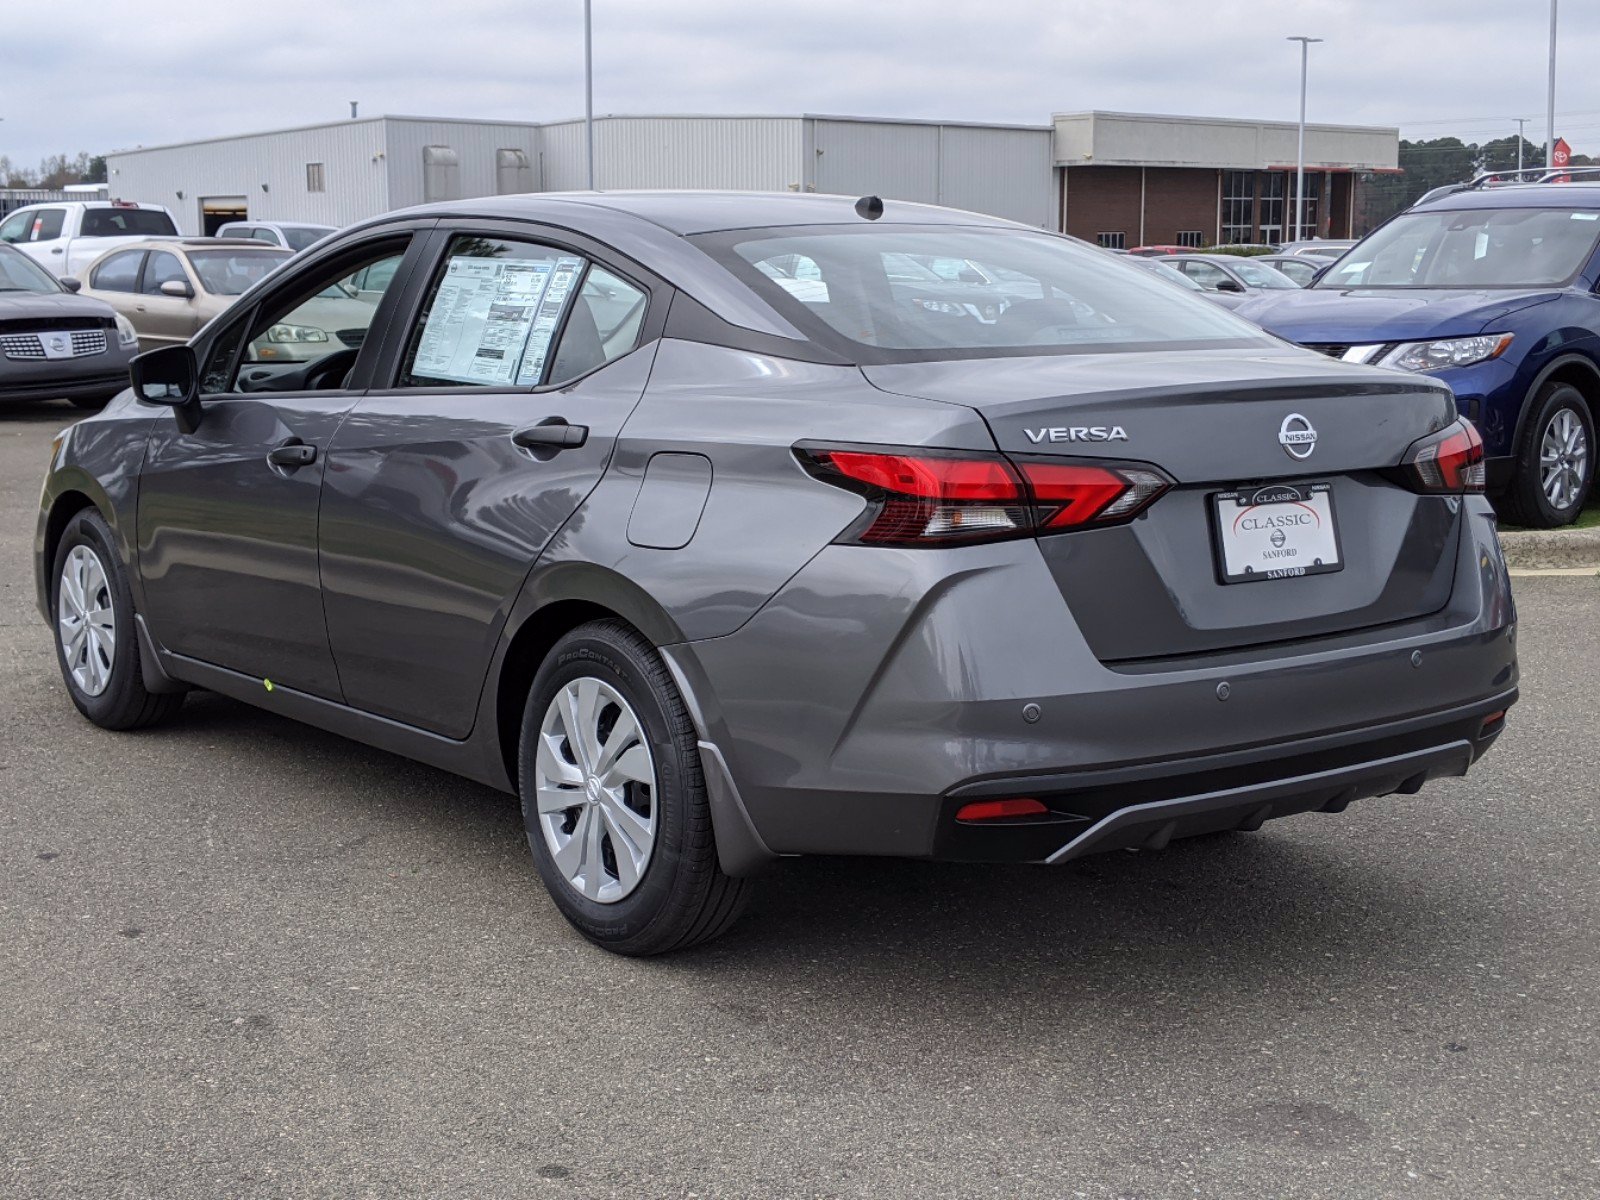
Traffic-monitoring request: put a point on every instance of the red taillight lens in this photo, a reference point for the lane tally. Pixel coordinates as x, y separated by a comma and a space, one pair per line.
1448, 462
995, 810
931, 498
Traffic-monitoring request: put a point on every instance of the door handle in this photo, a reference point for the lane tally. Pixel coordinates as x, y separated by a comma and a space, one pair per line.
292, 454
551, 435
56, 250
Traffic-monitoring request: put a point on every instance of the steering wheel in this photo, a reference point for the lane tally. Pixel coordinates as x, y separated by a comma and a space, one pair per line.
328, 372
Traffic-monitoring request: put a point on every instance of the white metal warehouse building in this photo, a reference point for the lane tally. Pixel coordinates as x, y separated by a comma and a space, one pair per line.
1118, 177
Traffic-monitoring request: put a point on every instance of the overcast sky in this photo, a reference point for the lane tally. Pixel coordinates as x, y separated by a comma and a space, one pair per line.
98, 75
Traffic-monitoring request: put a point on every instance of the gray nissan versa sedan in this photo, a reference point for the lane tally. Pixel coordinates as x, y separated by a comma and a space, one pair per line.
689, 520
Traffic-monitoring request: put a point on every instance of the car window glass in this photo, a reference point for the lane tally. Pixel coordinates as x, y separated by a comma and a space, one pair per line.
306, 235
161, 268
492, 314
126, 222
19, 273
234, 272
119, 273
18, 227
1509, 247
298, 327
264, 235
1206, 275
1259, 276
603, 325
49, 225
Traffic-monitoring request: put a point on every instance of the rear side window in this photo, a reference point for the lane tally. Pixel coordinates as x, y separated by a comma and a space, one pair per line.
493, 314
126, 222
263, 235
49, 224
916, 292
119, 273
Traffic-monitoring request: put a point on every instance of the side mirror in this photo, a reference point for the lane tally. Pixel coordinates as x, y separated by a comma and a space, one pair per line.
177, 287
169, 376
71, 284
1228, 285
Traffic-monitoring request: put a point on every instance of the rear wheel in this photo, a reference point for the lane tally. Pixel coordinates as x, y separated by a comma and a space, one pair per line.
614, 801
1555, 463
96, 642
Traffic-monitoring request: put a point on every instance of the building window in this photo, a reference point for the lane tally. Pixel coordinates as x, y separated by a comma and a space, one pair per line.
1112, 241
1238, 207
1313, 194
314, 180
1191, 238
1273, 191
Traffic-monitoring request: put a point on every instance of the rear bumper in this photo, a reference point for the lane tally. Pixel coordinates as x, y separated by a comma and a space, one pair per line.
1150, 805
880, 689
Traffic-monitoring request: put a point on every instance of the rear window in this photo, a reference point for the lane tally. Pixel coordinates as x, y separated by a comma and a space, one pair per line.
304, 236
232, 272
1474, 248
907, 292
126, 222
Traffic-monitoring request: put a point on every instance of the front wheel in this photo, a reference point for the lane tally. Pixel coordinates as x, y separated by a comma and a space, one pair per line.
1555, 464
96, 642
614, 800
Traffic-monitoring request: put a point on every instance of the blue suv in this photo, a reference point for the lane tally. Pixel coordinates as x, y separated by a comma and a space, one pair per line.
1495, 291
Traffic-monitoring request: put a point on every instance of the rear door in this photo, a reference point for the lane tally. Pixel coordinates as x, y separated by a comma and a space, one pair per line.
227, 518
504, 393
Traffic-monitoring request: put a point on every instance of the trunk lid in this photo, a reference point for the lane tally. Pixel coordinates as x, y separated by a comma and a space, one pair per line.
1213, 421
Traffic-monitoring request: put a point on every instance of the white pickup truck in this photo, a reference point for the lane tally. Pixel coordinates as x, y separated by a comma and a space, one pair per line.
66, 237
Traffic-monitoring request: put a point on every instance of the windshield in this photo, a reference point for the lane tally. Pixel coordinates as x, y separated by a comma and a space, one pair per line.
231, 272
19, 273
1476, 248
126, 222
1259, 276
301, 236
1013, 291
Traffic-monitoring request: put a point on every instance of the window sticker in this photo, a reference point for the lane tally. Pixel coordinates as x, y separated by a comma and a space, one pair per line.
478, 328
544, 324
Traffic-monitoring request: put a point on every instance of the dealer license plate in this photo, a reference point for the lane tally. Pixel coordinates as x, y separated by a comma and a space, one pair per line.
1276, 532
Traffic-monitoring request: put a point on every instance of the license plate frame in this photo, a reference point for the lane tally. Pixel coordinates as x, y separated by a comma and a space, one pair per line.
1235, 550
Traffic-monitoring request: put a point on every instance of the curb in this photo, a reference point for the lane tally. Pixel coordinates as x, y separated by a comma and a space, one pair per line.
1551, 549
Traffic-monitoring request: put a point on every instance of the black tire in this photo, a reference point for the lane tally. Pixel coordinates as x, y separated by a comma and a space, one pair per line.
682, 897
1525, 501
122, 702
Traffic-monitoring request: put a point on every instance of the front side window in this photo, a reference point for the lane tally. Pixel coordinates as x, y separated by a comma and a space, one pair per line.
162, 267
127, 222
1207, 276
18, 227
1040, 294
1259, 276
492, 315
234, 272
119, 273
1474, 248
262, 235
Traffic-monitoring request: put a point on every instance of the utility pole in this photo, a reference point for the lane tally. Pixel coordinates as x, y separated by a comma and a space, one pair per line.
1521, 122
1300, 155
1550, 99
588, 86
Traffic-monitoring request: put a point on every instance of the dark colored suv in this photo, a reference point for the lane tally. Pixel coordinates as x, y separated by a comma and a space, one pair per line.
1493, 291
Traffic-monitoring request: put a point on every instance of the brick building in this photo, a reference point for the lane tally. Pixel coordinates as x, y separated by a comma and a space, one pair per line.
1130, 179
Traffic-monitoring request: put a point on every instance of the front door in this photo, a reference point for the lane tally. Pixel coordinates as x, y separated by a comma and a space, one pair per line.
443, 488
164, 320
228, 512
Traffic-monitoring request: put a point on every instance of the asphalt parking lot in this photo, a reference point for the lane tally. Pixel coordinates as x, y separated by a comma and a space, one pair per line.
246, 958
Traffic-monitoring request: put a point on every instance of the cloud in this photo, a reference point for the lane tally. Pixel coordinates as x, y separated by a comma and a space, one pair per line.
163, 71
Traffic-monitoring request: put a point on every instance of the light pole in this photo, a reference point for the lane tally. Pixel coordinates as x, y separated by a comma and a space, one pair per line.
588, 87
1521, 122
1300, 154
1550, 99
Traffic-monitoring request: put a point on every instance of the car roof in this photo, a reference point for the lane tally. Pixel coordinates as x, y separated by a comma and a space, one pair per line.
1521, 195
688, 212
200, 243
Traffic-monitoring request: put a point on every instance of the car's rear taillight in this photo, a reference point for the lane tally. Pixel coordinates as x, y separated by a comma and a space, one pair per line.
927, 498
1449, 462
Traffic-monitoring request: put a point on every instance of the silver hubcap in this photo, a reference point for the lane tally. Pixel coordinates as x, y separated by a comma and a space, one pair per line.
1564, 459
86, 620
595, 790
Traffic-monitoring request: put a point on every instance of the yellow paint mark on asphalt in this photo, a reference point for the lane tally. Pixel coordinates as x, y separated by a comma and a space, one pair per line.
1554, 571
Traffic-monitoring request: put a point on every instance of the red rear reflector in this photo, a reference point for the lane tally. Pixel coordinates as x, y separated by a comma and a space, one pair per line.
990, 810
1449, 462
1493, 719
930, 498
